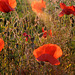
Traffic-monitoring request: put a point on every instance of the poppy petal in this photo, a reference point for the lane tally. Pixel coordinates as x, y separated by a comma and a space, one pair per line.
51, 49
50, 33
62, 5
45, 34
4, 7
49, 58
58, 52
41, 0
74, 13
12, 3
26, 38
4, 1
72, 7
52, 60
1, 44
42, 29
37, 6
61, 14
39, 51
25, 34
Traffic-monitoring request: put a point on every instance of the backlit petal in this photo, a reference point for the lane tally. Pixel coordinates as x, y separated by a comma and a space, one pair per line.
1, 44
12, 3
37, 6
51, 49
62, 5
4, 7
45, 34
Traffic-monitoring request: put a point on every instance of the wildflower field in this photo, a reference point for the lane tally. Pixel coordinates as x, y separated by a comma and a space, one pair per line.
37, 37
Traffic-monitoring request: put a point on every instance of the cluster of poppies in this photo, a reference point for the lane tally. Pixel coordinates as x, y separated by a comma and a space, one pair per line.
46, 32
38, 6
50, 52
47, 52
26, 35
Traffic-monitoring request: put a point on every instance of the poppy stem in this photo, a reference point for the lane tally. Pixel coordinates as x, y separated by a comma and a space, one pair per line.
44, 69
55, 68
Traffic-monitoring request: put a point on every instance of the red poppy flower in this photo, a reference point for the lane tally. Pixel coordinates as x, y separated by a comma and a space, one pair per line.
37, 6
45, 33
26, 35
1, 44
50, 33
48, 52
7, 5
42, 29
66, 10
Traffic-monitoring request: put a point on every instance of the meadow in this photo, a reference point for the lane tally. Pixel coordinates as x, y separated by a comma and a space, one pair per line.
16, 58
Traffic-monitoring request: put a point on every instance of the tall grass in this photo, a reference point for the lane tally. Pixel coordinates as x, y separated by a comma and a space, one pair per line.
17, 58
